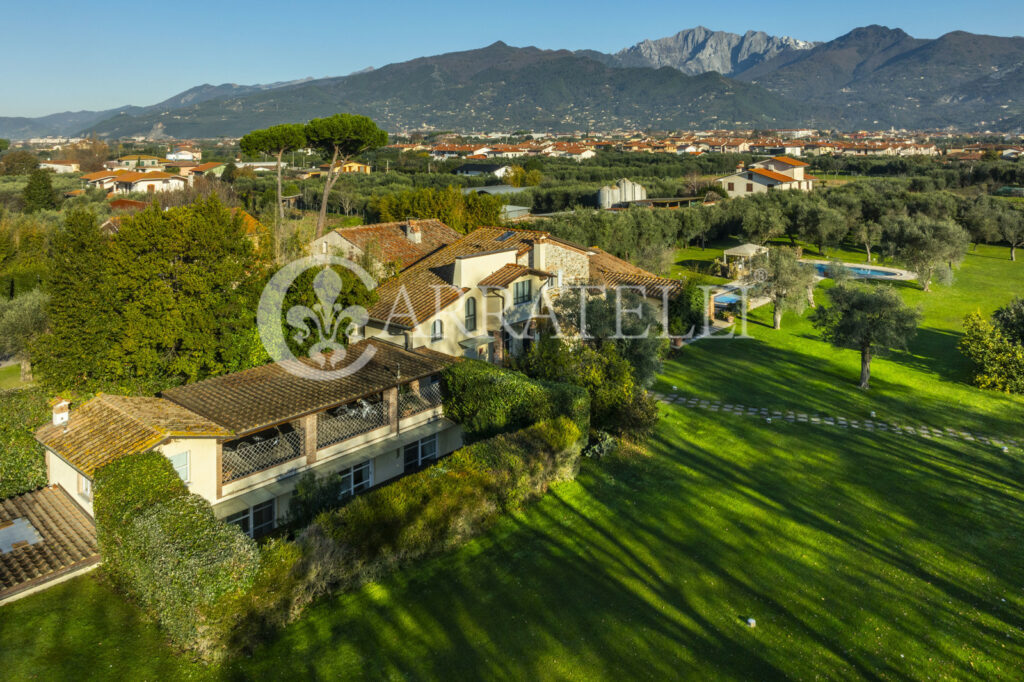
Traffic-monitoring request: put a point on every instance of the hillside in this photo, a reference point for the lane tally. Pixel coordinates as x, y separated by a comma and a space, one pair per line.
496, 87
877, 75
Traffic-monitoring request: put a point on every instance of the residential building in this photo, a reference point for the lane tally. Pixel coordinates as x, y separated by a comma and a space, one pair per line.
60, 166
131, 182
243, 440
347, 167
209, 168
776, 173
403, 242
499, 170
139, 162
478, 297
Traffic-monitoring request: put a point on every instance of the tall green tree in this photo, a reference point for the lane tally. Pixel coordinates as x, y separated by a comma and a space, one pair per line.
868, 318
823, 227
340, 138
762, 223
73, 353
18, 162
170, 298
276, 141
869, 233
1011, 228
786, 282
929, 247
1010, 320
38, 194
4, 144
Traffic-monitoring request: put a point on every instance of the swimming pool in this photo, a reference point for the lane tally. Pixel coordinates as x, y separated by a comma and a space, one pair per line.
858, 271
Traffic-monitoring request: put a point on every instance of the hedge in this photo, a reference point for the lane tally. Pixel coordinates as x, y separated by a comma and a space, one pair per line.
22, 464
444, 505
487, 400
165, 548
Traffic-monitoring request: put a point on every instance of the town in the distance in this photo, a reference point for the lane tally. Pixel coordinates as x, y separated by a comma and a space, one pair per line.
372, 380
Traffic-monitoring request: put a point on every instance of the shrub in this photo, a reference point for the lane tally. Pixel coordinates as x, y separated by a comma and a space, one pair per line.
443, 506
487, 400
129, 486
22, 465
998, 361
179, 560
166, 549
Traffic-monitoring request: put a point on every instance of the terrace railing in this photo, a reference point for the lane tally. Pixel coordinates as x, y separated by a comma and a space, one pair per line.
349, 421
414, 402
253, 455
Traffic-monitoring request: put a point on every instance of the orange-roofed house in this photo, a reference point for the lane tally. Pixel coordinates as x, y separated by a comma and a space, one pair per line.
150, 183
776, 173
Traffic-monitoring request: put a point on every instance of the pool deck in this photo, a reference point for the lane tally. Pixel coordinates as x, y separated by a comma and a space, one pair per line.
898, 275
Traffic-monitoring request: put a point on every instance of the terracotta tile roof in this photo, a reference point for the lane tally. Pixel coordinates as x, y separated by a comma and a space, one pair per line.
265, 396
111, 426
789, 161
425, 287
60, 538
395, 245
609, 270
138, 176
99, 175
772, 175
127, 205
203, 167
509, 273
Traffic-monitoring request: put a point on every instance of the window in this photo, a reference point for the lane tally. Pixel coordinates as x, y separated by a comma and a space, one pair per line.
420, 453
470, 314
437, 330
750, 187
84, 487
180, 463
257, 520
356, 479
522, 292
732, 186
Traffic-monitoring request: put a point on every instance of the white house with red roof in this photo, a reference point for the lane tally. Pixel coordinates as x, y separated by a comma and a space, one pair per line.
775, 173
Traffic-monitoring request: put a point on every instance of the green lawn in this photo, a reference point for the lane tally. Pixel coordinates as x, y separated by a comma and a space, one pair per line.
10, 377
860, 555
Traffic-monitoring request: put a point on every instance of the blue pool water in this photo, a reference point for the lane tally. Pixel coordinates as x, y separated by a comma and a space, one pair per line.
857, 271
726, 299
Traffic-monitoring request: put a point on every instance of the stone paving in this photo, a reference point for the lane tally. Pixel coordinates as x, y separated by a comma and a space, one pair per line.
872, 424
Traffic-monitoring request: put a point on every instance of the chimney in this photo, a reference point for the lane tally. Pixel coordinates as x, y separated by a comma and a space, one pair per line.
413, 232
61, 411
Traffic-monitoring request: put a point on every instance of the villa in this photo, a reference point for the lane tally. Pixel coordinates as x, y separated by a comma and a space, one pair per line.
243, 440
775, 173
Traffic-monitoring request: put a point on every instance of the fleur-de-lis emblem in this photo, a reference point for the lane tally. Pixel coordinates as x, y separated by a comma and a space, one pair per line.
326, 317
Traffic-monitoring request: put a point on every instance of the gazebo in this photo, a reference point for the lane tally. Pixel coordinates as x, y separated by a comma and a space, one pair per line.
741, 255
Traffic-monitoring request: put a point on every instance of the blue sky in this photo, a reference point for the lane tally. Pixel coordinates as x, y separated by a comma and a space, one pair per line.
61, 55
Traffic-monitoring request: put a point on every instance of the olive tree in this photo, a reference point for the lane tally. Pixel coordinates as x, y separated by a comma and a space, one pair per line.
786, 281
868, 318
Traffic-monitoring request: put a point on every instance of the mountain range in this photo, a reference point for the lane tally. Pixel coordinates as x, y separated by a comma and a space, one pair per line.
870, 77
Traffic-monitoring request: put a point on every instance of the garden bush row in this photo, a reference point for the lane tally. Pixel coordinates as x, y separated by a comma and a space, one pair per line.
487, 400
165, 548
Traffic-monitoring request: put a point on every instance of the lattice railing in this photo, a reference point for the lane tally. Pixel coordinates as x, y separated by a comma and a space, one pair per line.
349, 421
256, 455
428, 397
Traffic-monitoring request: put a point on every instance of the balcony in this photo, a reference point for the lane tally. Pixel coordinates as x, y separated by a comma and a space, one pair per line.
260, 451
426, 398
348, 421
